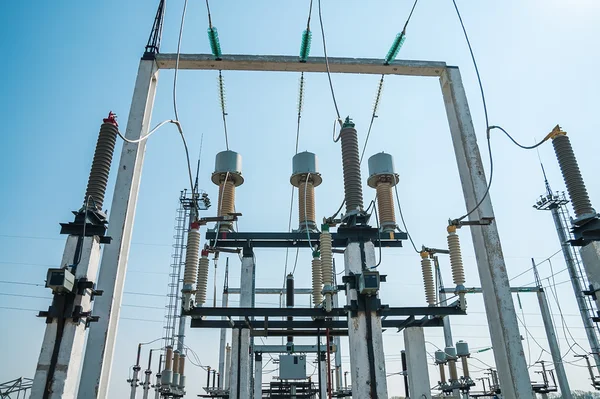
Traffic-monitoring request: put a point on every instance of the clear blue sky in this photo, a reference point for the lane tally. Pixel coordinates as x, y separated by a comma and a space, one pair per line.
66, 64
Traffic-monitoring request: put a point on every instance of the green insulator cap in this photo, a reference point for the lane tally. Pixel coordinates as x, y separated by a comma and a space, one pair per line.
395, 48
324, 227
215, 46
305, 45
348, 123
316, 254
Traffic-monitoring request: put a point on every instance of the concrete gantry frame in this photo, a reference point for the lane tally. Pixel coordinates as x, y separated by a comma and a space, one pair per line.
500, 309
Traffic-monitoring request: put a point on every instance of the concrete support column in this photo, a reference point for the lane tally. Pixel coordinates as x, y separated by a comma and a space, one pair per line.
367, 360
257, 375
500, 309
416, 360
241, 343
102, 336
64, 339
323, 376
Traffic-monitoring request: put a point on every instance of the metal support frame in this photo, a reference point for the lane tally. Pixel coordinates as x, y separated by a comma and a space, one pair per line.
500, 309
322, 364
416, 359
492, 270
64, 337
101, 339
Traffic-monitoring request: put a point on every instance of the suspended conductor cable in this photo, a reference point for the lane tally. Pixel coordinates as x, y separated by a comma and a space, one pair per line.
185, 146
487, 123
208, 12
374, 115
403, 222
337, 111
177, 59
222, 103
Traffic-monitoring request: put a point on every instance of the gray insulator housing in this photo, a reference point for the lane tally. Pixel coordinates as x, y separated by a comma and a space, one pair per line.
462, 348
167, 377
302, 164
228, 161
381, 164
440, 356
572, 176
105, 148
351, 165
450, 352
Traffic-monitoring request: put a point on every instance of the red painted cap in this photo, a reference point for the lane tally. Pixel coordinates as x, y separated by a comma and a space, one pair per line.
112, 118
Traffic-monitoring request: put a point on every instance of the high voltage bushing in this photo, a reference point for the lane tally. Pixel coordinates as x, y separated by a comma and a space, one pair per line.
462, 351
456, 263
382, 177
305, 176
175, 382
191, 264
202, 283
227, 175
181, 371
167, 374
105, 148
571, 174
440, 360
317, 279
451, 357
428, 282
327, 266
351, 166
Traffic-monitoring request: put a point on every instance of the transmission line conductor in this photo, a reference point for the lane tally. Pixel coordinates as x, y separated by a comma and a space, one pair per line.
228, 176
382, 177
305, 176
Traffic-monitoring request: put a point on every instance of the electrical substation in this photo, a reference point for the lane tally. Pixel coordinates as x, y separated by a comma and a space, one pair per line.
346, 308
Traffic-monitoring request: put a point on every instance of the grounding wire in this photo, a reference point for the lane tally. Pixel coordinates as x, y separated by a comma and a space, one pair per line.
337, 111
404, 222
531, 268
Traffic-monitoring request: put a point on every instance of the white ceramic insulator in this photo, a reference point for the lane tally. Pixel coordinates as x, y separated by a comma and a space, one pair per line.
456, 263
317, 282
202, 282
428, 280
326, 258
191, 257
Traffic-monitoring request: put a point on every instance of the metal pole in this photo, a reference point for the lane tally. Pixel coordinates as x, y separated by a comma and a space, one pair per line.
416, 359
405, 372
63, 338
111, 278
336, 340
257, 375
367, 360
148, 374
500, 309
289, 302
158, 378
563, 382
443, 302
223, 337
136, 369
575, 278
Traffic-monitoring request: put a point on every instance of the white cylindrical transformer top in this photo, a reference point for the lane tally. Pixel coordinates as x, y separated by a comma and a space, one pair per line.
228, 162
381, 164
462, 348
440, 356
302, 164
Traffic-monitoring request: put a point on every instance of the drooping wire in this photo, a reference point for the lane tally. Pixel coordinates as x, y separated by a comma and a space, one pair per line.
402, 218
177, 59
374, 115
485, 112
222, 102
515, 141
337, 111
